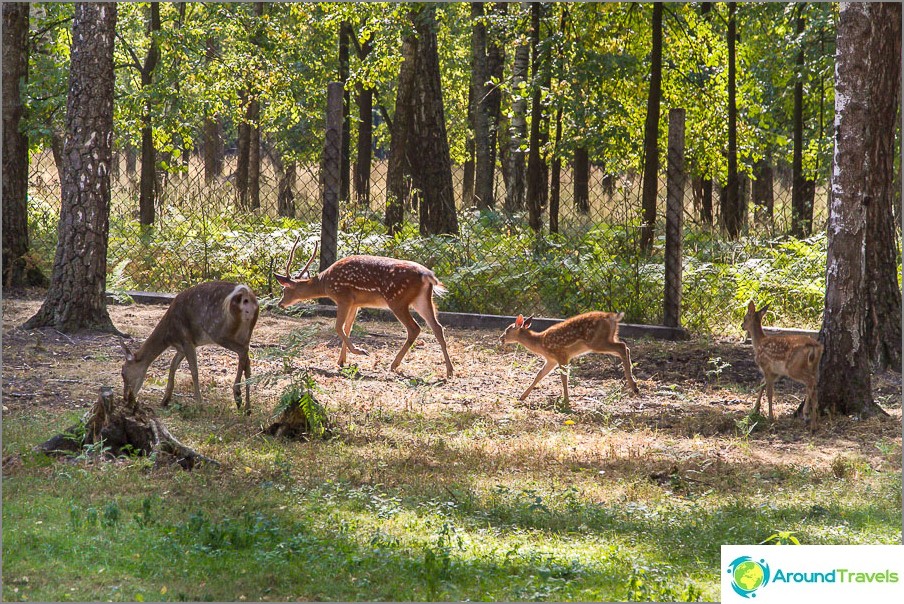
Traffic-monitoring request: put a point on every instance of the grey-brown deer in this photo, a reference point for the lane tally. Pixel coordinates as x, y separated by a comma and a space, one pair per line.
370, 282
793, 356
215, 312
589, 332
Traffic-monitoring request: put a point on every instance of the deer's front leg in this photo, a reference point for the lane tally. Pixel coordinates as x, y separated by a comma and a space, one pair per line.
345, 318
544, 371
192, 358
172, 376
244, 366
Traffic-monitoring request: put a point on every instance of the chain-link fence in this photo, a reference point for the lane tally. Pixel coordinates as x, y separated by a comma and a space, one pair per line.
204, 228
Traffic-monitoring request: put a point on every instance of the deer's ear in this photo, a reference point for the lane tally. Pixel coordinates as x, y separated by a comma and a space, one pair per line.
763, 310
527, 322
283, 280
129, 356
519, 321
751, 307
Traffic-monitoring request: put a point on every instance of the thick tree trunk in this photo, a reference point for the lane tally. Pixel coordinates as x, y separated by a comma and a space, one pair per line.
398, 175
363, 158
148, 188
213, 130
16, 271
802, 190
243, 146
884, 319
582, 180
515, 185
345, 34
483, 144
537, 170
732, 211
651, 136
844, 374
76, 298
555, 178
431, 165
467, 184
762, 191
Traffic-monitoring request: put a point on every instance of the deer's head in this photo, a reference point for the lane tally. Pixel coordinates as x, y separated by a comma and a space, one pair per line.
133, 373
753, 320
301, 286
510, 335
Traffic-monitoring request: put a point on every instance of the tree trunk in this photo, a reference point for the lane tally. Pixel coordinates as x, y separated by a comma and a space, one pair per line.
762, 191
345, 34
76, 297
495, 65
651, 136
254, 132
131, 160
731, 207
515, 186
148, 187
706, 202
884, 318
467, 184
483, 144
363, 158
399, 172
555, 178
844, 376
582, 180
537, 170
213, 130
243, 146
16, 271
431, 165
801, 199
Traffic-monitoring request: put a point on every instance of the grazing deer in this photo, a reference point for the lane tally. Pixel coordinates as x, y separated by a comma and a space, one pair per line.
794, 356
216, 312
370, 282
590, 332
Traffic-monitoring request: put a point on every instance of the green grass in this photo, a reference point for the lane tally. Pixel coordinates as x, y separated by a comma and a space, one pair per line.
286, 521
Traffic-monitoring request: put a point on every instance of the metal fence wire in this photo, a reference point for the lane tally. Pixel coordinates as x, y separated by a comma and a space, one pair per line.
205, 229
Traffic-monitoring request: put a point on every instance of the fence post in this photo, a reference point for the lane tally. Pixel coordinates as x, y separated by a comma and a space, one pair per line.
330, 175
674, 219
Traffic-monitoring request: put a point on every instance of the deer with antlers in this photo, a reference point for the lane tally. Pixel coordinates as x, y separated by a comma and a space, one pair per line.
794, 356
370, 282
580, 335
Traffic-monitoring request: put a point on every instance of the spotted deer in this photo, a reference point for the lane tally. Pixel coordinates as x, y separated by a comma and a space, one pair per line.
370, 282
793, 356
574, 337
215, 312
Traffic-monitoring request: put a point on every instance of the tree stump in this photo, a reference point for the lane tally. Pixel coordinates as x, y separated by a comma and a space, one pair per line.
123, 429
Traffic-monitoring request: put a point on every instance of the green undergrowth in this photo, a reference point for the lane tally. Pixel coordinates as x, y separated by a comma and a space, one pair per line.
285, 521
496, 265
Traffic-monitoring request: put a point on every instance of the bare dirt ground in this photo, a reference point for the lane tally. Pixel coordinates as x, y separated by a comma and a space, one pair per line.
689, 390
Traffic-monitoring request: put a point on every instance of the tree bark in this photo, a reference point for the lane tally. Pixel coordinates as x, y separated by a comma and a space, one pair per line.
467, 181
884, 317
515, 186
76, 298
364, 156
148, 188
495, 65
483, 144
555, 178
537, 170
844, 375
345, 34
582, 180
802, 190
651, 136
213, 130
399, 171
16, 269
731, 207
431, 164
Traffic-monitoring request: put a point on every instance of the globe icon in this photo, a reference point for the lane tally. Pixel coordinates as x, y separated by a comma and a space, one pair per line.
749, 575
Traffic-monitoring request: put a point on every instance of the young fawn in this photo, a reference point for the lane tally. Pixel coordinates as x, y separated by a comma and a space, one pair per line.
590, 332
370, 282
216, 312
794, 356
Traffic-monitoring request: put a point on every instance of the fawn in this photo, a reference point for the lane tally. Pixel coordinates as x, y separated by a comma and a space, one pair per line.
370, 282
794, 356
215, 312
589, 332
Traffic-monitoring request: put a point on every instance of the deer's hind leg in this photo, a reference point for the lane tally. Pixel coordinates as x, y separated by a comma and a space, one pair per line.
427, 309
404, 315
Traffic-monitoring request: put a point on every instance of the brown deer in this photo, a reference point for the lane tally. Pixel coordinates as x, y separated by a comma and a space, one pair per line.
590, 332
370, 282
794, 356
216, 312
